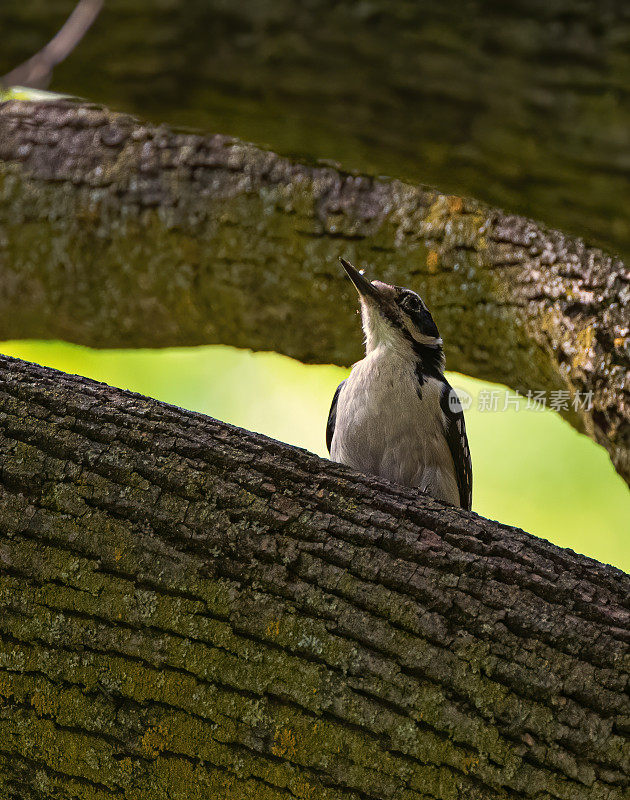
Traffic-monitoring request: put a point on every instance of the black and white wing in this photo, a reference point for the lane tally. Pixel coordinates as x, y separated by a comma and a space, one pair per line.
332, 417
455, 433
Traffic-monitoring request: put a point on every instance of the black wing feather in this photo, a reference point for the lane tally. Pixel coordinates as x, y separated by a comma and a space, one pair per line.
332, 417
455, 432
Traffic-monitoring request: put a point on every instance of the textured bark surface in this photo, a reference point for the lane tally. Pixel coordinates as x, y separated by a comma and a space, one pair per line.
523, 104
190, 610
115, 233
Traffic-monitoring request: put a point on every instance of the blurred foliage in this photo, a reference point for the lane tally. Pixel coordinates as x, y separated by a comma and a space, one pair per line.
531, 468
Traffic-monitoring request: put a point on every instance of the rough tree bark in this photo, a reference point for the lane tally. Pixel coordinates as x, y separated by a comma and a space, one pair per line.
193, 611
121, 234
521, 104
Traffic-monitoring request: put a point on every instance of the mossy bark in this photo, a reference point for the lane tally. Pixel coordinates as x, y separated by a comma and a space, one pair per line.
521, 104
193, 611
117, 234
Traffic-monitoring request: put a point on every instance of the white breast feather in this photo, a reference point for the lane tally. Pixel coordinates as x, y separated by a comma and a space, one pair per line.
385, 428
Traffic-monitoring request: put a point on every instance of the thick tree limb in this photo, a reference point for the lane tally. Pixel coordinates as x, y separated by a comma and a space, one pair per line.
190, 610
520, 104
121, 234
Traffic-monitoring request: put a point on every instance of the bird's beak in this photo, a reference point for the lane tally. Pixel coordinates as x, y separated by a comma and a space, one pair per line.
362, 285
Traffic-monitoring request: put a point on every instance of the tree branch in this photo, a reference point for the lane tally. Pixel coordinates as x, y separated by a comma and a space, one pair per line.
188, 608
37, 71
121, 234
521, 105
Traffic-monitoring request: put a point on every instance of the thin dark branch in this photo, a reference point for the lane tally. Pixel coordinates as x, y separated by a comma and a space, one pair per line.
36, 73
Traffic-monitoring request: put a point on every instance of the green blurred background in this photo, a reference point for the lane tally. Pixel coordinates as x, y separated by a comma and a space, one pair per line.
531, 468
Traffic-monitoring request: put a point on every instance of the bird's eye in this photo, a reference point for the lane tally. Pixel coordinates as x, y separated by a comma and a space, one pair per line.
411, 302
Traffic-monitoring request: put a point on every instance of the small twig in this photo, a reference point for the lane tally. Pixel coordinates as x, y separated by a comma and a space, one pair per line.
36, 73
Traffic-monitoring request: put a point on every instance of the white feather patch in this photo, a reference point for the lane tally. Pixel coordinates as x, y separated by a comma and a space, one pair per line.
385, 428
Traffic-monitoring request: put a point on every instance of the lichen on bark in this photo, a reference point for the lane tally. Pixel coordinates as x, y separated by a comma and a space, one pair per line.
116, 233
191, 610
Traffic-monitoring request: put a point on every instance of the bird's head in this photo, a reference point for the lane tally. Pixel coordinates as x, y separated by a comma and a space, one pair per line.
396, 318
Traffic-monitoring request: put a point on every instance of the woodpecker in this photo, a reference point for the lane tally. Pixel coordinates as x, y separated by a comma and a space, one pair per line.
396, 415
